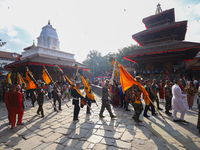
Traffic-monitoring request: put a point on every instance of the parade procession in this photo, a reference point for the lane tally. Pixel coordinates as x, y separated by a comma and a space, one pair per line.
144, 96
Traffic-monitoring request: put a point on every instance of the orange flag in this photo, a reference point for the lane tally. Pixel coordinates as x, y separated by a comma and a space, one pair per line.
127, 81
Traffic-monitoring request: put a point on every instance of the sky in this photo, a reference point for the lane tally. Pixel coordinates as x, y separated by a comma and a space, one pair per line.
85, 25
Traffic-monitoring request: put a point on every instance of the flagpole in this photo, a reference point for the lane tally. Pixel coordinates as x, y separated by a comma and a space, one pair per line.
43, 92
55, 86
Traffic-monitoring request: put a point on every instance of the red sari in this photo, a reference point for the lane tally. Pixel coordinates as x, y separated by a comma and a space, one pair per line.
161, 90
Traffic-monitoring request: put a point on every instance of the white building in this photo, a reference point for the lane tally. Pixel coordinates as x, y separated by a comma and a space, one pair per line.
47, 46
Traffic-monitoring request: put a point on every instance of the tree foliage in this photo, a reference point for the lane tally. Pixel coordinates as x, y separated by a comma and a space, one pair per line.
99, 64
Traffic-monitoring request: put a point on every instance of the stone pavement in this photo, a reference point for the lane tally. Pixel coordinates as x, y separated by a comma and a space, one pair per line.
57, 131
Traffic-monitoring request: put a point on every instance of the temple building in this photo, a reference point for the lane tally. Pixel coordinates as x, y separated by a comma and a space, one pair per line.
47, 53
162, 47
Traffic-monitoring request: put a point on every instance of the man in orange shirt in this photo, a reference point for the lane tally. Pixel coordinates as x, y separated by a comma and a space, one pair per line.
15, 103
6, 98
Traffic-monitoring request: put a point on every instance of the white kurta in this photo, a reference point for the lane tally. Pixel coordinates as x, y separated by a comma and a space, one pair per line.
177, 99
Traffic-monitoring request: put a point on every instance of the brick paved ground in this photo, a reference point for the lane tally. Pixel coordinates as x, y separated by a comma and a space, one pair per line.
58, 131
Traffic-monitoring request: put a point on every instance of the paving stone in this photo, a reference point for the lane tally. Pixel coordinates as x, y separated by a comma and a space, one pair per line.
113, 148
29, 144
78, 133
63, 131
14, 141
52, 137
157, 141
82, 145
108, 128
70, 148
143, 144
70, 142
95, 139
109, 134
99, 147
142, 136
61, 140
132, 127
90, 132
8, 137
121, 128
54, 147
108, 141
89, 126
122, 144
128, 136
42, 146
70, 125
45, 131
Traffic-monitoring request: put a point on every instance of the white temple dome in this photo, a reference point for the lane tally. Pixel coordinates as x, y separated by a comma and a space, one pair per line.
48, 37
49, 31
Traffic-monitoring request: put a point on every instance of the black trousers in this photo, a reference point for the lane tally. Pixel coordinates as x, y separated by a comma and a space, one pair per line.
40, 109
76, 111
147, 108
89, 104
122, 100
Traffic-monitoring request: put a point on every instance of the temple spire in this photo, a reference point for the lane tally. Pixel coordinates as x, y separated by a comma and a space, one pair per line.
158, 9
49, 22
33, 42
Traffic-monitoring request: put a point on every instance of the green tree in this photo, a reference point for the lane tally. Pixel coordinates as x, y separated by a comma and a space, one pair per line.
99, 64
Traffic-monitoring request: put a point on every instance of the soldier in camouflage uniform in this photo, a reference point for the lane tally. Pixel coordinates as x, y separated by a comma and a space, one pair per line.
154, 91
105, 103
33, 97
40, 98
152, 97
168, 97
136, 100
57, 96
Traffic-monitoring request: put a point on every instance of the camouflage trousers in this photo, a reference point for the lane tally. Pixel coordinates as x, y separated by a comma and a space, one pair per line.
107, 106
33, 99
168, 103
56, 98
138, 110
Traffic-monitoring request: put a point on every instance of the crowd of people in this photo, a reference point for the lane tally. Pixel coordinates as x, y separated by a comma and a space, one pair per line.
169, 93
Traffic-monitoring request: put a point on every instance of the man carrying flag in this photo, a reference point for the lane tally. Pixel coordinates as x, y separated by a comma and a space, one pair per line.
136, 101
57, 95
89, 94
105, 102
75, 94
88, 100
40, 99
152, 97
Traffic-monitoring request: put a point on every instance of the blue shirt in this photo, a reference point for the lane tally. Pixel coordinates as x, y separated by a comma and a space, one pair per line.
120, 91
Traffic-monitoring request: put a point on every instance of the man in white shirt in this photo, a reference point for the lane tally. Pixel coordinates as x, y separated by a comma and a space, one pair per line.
177, 102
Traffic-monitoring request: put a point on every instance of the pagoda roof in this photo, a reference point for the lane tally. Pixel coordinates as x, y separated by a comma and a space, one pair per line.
163, 33
158, 19
174, 46
44, 61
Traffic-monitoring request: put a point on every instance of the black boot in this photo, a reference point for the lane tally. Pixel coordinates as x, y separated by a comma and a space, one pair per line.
145, 112
158, 106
